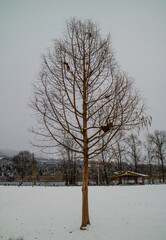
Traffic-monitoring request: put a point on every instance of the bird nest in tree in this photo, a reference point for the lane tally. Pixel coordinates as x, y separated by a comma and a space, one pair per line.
107, 127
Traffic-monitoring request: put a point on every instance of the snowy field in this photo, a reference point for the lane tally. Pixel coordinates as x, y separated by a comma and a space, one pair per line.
54, 213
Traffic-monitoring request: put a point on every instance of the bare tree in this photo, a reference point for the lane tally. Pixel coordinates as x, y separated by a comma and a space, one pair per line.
157, 140
80, 81
106, 157
150, 159
34, 171
133, 145
24, 163
118, 150
69, 160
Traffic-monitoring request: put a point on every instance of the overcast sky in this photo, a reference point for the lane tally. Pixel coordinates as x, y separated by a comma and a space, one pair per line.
27, 28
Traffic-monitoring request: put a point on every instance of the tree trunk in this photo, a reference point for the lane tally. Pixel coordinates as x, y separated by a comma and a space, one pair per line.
106, 174
162, 166
85, 210
136, 169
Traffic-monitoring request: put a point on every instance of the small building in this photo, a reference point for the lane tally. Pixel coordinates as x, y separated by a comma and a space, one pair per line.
128, 177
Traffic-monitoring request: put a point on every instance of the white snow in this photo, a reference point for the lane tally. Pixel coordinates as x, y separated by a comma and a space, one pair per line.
54, 213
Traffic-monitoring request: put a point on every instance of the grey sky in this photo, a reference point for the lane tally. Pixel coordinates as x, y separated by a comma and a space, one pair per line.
27, 28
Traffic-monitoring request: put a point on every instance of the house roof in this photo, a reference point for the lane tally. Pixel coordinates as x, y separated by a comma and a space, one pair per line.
128, 173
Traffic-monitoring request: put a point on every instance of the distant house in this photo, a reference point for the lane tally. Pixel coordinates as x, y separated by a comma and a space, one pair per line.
128, 177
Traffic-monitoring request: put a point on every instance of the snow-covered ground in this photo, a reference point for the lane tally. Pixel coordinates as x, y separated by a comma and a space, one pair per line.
54, 213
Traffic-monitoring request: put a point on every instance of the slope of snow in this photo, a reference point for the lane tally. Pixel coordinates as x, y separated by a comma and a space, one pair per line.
49, 213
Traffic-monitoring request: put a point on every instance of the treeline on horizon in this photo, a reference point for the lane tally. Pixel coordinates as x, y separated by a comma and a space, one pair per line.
129, 153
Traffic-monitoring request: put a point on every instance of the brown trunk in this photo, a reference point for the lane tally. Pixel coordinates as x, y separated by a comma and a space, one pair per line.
85, 210
162, 166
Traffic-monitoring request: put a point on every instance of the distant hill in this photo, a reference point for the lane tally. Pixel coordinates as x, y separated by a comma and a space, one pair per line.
11, 153
40, 158
8, 152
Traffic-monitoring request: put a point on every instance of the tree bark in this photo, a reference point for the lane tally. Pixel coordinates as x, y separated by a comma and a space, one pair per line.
85, 209
162, 166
